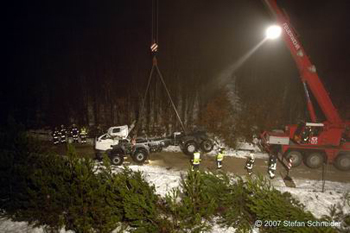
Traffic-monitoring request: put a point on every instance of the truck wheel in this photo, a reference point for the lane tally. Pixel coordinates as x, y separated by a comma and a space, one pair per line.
296, 157
117, 159
190, 147
314, 160
342, 162
159, 149
207, 145
140, 156
100, 155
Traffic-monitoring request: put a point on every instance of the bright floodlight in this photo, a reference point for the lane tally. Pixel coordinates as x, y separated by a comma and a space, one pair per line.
273, 32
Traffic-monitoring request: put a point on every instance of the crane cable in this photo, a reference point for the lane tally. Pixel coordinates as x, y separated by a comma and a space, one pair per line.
154, 49
155, 21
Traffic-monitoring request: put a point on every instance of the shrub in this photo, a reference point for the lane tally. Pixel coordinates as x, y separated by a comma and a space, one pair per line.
266, 203
17, 157
191, 206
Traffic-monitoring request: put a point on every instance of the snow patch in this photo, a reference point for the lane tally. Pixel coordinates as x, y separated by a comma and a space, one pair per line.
175, 149
9, 226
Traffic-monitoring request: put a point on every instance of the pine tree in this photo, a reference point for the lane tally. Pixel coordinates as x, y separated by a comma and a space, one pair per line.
266, 203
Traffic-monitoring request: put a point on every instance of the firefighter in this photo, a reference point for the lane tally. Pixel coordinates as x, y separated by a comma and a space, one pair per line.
250, 164
63, 134
307, 134
272, 166
220, 157
196, 160
83, 134
75, 133
55, 136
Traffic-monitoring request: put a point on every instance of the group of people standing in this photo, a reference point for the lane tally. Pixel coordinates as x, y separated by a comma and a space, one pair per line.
196, 160
60, 135
272, 165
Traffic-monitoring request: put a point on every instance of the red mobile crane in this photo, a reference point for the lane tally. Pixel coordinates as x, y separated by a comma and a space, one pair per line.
310, 142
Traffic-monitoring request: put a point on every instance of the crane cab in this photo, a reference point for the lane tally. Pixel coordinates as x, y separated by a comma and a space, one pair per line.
308, 133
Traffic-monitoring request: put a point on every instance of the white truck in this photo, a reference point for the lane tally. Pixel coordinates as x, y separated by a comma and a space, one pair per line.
116, 144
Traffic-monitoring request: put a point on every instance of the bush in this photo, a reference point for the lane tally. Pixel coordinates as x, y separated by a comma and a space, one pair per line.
18, 154
204, 195
337, 213
234, 212
266, 203
197, 204
69, 192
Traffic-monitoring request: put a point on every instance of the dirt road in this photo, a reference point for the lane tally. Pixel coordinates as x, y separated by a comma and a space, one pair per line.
180, 161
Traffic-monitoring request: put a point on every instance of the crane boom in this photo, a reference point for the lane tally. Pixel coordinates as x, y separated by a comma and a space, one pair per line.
307, 70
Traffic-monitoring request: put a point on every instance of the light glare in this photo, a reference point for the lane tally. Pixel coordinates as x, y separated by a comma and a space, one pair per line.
273, 32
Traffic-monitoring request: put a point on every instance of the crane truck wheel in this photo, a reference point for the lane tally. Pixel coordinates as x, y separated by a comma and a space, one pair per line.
117, 159
342, 162
190, 147
314, 160
207, 145
140, 156
296, 157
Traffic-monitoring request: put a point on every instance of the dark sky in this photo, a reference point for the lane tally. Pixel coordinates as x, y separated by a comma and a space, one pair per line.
47, 41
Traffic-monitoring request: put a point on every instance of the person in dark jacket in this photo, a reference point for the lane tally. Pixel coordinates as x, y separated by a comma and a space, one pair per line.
63, 134
55, 136
75, 133
272, 166
250, 164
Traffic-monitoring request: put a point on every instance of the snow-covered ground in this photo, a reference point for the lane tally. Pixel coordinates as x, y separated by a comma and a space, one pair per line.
308, 192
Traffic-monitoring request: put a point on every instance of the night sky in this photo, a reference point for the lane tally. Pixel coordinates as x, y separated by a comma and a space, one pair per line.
48, 42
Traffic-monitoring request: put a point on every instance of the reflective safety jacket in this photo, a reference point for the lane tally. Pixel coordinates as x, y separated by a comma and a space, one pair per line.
219, 157
63, 132
196, 158
83, 131
55, 134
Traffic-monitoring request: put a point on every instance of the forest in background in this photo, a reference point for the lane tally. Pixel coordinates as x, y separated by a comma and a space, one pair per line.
95, 72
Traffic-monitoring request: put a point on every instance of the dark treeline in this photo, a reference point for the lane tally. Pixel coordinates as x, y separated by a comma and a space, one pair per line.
89, 63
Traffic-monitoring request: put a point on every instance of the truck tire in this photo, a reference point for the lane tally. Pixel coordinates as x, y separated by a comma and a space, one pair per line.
314, 160
140, 156
342, 162
159, 149
100, 155
117, 159
207, 145
190, 147
296, 156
